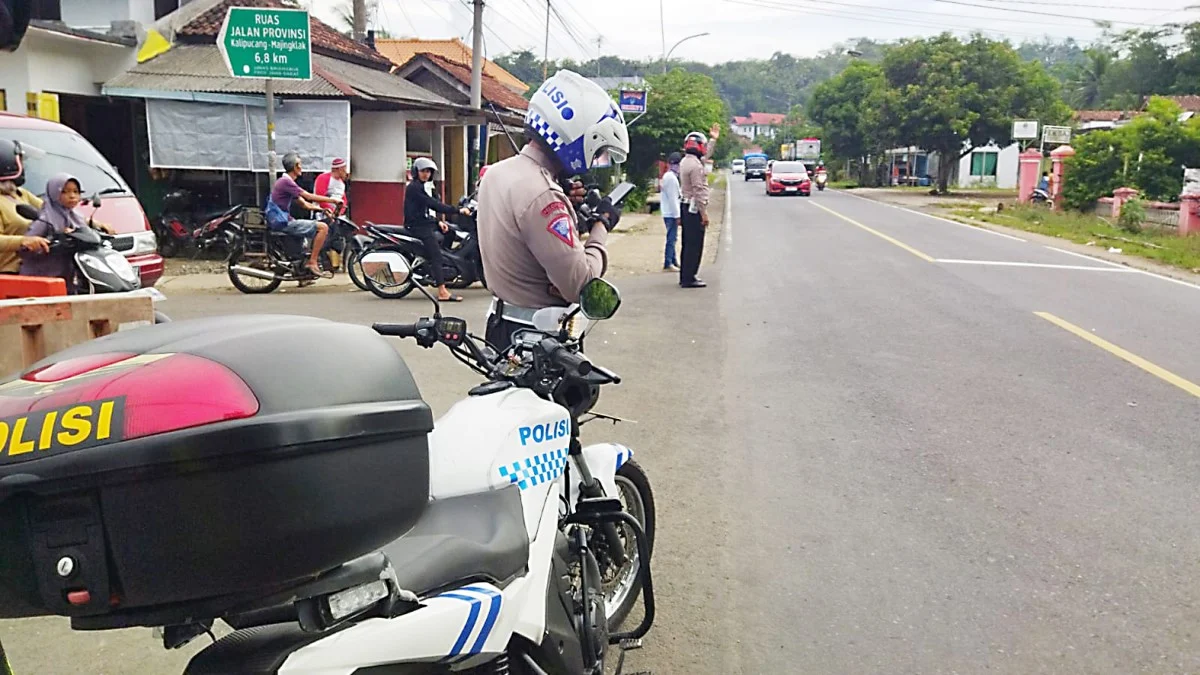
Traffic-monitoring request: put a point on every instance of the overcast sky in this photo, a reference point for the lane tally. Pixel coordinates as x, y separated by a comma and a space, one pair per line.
750, 28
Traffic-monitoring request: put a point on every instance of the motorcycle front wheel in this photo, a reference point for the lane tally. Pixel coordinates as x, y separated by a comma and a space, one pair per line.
623, 586
354, 269
383, 286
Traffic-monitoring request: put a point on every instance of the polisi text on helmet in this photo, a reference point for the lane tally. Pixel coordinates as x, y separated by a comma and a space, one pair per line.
559, 99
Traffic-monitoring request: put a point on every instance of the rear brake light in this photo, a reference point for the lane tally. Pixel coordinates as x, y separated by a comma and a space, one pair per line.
131, 396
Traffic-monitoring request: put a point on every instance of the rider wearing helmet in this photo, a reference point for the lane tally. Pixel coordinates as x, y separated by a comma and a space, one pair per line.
693, 180
286, 191
421, 211
13, 225
533, 254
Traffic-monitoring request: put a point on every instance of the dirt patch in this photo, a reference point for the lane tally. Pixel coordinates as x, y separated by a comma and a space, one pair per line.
922, 200
177, 267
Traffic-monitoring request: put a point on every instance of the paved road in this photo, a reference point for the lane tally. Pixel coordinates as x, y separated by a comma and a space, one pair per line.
870, 461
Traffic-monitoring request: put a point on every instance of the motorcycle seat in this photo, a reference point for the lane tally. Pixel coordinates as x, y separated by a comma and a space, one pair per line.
391, 229
476, 537
461, 539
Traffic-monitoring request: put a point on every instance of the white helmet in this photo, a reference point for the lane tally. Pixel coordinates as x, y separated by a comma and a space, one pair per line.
423, 163
579, 121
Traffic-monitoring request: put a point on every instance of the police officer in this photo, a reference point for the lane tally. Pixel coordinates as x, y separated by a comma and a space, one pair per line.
533, 252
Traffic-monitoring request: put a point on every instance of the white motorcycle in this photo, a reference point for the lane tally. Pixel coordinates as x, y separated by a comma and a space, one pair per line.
531, 553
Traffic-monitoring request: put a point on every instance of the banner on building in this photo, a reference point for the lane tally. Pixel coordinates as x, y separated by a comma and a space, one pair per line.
230, 137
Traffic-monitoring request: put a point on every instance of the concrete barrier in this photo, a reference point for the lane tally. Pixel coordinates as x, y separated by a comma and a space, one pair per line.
33, 328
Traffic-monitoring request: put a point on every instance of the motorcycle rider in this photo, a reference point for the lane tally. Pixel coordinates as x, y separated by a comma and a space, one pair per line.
284, 192
533, 255
13, 226
421, 209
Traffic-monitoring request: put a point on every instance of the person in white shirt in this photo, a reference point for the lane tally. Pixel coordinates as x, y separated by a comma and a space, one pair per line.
670, 193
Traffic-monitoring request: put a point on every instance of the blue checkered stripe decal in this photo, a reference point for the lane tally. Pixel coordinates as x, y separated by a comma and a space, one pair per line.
541, 126
536, 470
624, 454
477, 596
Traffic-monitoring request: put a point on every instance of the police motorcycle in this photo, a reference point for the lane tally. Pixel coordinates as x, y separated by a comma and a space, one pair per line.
97, 266
339, 534
261, 259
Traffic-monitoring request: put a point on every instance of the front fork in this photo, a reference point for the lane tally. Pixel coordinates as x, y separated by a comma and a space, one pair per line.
590, 488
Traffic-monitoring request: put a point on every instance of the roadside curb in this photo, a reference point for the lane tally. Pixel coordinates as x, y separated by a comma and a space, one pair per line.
220, 282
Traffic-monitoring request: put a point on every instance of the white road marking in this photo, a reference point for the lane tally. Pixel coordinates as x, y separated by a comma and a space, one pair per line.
944, 220
1127, 268
1005, 263
1087, 257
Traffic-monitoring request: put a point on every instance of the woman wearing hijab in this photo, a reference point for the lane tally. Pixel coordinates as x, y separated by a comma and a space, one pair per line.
57, 217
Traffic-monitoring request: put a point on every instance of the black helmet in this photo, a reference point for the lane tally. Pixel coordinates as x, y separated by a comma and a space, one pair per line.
11, 165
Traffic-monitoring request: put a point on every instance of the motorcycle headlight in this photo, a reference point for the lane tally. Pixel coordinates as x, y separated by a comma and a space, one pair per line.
121, 266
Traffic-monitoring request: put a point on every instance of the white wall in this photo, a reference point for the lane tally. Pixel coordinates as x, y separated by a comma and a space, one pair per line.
60, 64
378, 146
1006, 169
99, 14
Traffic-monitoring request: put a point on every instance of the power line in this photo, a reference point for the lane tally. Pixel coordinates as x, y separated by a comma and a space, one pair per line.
823, 10
1170, 10
1058, 16
955, 18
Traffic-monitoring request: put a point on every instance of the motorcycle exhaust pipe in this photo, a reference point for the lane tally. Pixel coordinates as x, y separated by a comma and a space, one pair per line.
252, 272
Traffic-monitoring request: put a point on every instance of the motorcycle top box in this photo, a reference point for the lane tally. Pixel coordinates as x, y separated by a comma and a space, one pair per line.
179, 471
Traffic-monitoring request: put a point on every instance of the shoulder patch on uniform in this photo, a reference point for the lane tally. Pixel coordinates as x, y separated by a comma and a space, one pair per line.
561, 228
553, 207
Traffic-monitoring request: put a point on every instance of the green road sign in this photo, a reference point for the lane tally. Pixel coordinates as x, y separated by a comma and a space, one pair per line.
267, 43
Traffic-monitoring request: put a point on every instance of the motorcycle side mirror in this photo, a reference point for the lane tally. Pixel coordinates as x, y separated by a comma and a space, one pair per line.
95, 200
27, 212
386, 268
599, 300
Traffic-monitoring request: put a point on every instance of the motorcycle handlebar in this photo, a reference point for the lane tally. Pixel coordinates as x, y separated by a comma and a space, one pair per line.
400, 330
566, 359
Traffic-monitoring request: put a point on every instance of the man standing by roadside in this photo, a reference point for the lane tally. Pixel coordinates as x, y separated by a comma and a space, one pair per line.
669, 205
694, 186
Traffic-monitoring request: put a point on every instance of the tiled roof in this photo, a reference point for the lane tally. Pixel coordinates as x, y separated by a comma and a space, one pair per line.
1100, 115
453, 49
205, 27
1188, 103
767, 119
200, 68
493, 91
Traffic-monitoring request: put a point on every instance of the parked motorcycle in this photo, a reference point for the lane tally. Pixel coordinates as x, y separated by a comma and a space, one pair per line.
462, 263
260, 259
181, 226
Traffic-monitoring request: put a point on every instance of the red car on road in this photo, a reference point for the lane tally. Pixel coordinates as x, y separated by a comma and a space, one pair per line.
788, 178
52, 148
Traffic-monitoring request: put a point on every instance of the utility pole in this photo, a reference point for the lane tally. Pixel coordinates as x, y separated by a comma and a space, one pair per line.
599, 43
477, 58
360, 20
662, 29
546, 49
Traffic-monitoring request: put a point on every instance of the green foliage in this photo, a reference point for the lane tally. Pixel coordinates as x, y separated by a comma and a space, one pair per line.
678, 103
1148, 154
848, 108
729, 146
1133, 214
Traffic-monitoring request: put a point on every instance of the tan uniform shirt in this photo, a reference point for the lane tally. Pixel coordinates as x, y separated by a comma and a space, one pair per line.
13, 227
693, 182
532, 253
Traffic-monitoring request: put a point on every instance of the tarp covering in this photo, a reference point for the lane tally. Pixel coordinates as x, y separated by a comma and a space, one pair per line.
223, 137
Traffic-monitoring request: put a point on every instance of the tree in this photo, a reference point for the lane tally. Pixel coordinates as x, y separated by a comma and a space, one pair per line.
1086, 87
949, 96
524, 65
677, 103
848, 109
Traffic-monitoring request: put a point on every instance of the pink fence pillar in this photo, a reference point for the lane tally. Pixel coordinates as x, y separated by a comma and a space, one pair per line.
1058, 173
1028, 173
1189, 214
1120, 196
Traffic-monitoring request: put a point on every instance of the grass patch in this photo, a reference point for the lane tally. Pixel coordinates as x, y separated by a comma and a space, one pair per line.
1182, 252
843, 184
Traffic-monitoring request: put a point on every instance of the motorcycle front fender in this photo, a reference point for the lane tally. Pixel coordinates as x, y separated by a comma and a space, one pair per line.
603, 460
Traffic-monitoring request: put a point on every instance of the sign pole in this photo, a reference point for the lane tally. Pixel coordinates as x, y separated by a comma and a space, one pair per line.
270, 89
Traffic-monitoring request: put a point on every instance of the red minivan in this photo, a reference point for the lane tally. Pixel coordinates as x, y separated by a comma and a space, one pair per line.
52, 148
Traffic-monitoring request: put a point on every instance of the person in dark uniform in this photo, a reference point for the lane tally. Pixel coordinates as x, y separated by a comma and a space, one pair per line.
421, 211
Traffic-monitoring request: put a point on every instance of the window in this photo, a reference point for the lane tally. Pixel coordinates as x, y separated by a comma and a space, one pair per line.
984, 163
164, 7
47, 10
